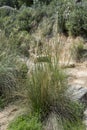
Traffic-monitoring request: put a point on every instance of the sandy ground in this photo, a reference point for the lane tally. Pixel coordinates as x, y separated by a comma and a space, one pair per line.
8, 114
78, 75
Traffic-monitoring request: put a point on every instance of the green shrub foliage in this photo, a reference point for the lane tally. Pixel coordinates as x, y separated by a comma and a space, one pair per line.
71, 17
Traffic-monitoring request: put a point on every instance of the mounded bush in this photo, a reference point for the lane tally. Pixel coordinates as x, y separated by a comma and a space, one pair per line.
73, 18
76, 23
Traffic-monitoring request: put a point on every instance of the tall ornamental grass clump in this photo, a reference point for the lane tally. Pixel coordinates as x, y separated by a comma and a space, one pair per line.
47, 85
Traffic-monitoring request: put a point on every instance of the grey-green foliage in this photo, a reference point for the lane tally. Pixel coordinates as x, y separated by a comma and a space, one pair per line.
7, 78
77, 21
6, 19
26, 19
29, 18
7, 67
72, 17
11, 68
7, 11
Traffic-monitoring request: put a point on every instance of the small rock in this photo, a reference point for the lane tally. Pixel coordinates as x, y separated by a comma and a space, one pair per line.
77, 92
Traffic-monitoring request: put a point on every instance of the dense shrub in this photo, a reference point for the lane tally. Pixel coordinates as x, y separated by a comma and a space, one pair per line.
77, 51
7, 11
26, 19
72, 18
76, 23
29, 18
11, 68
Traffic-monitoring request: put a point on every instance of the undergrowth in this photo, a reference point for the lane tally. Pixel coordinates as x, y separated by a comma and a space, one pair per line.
77, 51
78, 125
26, 122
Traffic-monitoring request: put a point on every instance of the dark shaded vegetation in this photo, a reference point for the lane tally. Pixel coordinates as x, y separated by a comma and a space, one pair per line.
19, 3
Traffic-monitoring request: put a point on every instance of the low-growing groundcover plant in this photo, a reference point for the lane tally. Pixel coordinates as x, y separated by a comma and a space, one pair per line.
26, 122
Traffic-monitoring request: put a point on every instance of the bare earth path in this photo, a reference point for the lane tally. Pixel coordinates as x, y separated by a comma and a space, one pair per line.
78, 78
78, 75
7, 115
